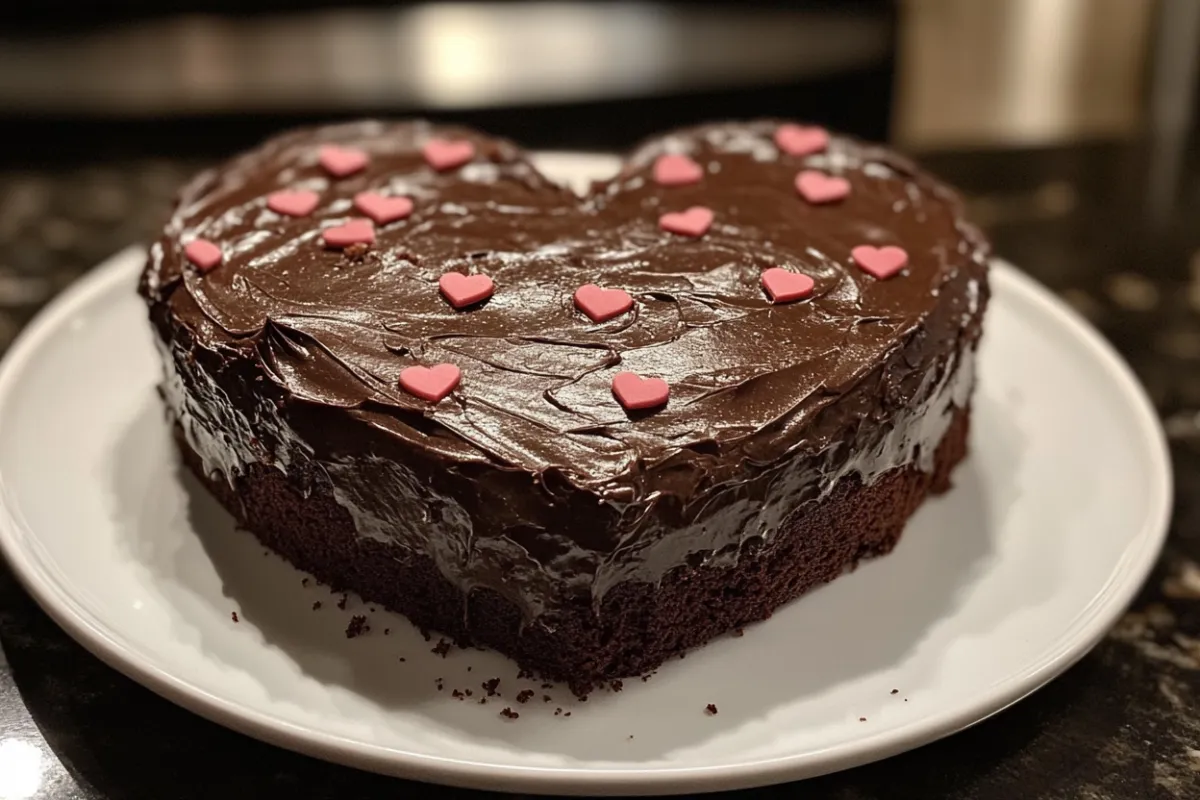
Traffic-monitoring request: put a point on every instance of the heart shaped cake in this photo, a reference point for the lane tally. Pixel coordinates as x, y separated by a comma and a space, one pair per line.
626, 423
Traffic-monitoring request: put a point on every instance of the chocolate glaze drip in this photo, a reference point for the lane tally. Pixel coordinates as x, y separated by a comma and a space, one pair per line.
530, 479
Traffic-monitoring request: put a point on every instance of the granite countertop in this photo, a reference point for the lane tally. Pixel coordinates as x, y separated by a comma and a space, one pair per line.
1103, 225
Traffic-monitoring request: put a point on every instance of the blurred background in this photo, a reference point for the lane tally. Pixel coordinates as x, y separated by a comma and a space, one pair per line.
932, 73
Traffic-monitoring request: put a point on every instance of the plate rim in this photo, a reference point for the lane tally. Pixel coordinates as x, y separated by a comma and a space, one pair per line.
1133, 567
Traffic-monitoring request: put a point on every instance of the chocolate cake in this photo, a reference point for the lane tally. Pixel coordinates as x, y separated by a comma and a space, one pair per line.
589, 432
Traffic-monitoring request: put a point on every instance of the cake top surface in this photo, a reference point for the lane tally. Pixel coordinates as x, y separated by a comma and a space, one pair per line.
335, 322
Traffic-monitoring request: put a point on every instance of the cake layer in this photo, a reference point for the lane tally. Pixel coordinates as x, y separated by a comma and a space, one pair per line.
530, 480
638, 625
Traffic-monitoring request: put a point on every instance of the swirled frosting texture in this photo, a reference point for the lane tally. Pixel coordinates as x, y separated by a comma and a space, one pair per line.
530, 478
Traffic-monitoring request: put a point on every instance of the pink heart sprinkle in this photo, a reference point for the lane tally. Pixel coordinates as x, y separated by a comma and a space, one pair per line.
293, 203
356, 231
342, 161
635, 392
602, 304
430, 383
817, 187
444, 154
801, 140
881, 262
464, 290
203, 253
676, 170
383, 209
694, 222
784, 286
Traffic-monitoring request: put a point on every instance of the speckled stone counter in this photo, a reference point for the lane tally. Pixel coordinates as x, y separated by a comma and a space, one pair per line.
1119, 244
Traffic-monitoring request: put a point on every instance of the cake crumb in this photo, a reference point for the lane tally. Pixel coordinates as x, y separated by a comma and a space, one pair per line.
895, 691
491, 686
739, 632
547, 685
524, 695
342, 603
468, 669
711, 709
441, 648
403, 659
631, 736
426, 634
356, 251
508, 712
304, 581
234, 616
567, 714
317, 605
545, 698
483, 701
617, 686
558, 712
457, 694
387, 631
469, 692
862, 719
357, 627
372, 609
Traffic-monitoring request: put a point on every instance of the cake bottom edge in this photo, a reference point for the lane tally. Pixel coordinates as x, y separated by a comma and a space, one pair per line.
639, 626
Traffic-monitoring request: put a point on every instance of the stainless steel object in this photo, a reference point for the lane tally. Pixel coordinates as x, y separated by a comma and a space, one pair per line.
1021, 72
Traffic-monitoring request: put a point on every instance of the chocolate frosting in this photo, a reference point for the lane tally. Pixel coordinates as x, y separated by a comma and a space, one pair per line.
530, 478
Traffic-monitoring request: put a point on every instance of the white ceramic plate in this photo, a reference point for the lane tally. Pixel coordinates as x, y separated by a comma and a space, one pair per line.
995, 588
